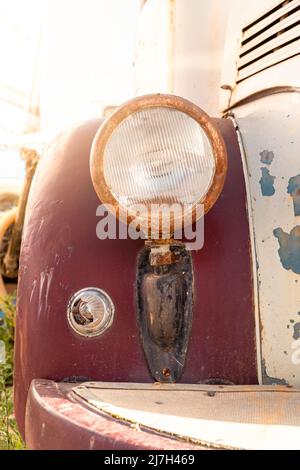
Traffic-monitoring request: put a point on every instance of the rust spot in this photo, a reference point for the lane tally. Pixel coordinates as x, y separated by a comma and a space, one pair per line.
166, 372
161, 255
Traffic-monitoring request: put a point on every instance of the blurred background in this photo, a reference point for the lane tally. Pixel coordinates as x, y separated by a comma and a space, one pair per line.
64, 61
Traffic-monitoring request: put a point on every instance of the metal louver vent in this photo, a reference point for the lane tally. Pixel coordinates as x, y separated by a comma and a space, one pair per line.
270, 39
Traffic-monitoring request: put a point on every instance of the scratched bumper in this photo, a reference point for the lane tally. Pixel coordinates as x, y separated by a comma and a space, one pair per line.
54, 420
116, 415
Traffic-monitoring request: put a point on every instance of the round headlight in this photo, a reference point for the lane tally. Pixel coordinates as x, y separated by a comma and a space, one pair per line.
158, 149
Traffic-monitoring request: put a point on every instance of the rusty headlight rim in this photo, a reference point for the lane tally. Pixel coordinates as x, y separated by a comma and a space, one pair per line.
151, 101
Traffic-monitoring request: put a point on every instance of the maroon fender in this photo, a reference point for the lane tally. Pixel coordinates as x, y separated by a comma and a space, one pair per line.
61, 254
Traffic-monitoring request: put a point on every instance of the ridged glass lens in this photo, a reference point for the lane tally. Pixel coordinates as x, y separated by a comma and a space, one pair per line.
158, 155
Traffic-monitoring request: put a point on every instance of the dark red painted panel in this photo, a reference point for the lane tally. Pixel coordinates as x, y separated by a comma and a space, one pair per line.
61, 254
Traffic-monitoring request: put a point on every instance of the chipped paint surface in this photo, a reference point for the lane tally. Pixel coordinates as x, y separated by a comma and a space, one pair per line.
267, 182
296, 334
268, 380
289, 251
266, 156
271, 141
294, 190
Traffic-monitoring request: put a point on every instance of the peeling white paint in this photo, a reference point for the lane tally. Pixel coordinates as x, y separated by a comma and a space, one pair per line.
272, 123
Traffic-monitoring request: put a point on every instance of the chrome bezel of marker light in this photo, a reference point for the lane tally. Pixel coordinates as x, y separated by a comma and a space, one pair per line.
94, 299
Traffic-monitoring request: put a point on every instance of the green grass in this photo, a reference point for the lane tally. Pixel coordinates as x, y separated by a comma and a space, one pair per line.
10, 438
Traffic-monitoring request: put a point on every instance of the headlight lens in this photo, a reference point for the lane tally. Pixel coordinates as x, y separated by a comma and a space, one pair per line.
158, 154
158, 149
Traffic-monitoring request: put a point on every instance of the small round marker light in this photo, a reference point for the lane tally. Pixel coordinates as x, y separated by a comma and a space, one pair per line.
90, 312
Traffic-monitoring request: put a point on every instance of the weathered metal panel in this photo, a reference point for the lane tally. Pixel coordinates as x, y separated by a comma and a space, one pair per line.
253, 40
180, 49
243, 417
275, 29
270, 133
268, 47
269, 57
155, 54
266, 17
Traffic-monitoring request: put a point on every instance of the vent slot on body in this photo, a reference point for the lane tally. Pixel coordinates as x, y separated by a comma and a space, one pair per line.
270, 39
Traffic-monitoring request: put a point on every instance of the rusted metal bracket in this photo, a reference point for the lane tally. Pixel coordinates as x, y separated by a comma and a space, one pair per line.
164, 308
